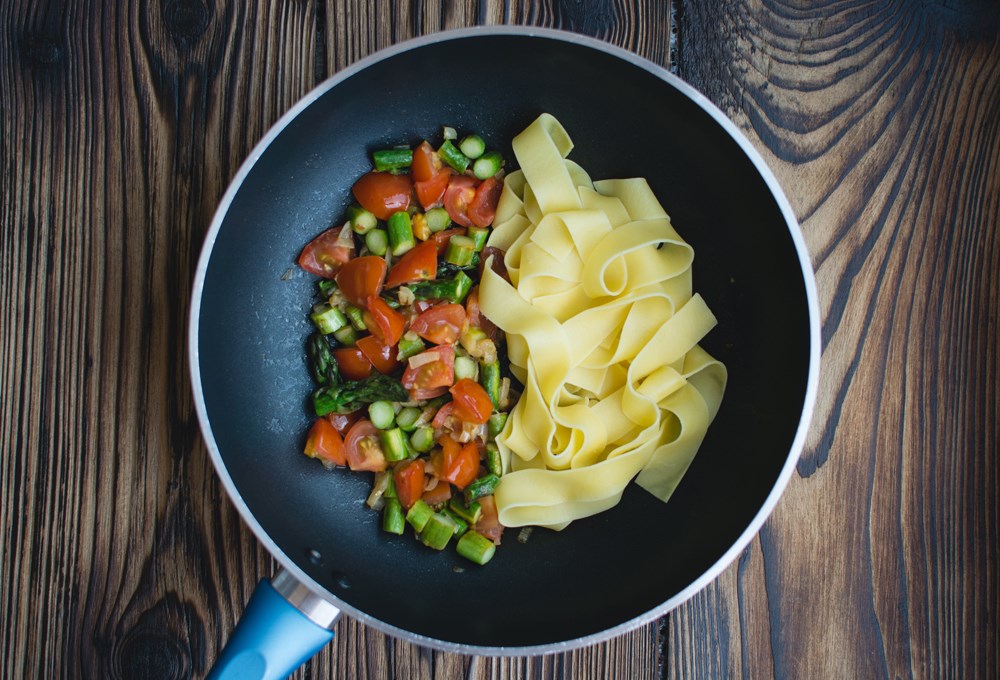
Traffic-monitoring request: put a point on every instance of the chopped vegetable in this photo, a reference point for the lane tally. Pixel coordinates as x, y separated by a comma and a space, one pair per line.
392, 517
494, 463
361, 278
382, 193
400, 232
354, 394
377, 242
325, 443
362, 221
454, 289
484, 486
476, 548
395, 445
419, 514
438, 531
409, 480
406, 365
487, 166
451, 155
392, 159
460, 250
381, 414
437, 219
472, 146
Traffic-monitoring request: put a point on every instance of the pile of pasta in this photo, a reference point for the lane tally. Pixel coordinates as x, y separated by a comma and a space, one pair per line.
602, 330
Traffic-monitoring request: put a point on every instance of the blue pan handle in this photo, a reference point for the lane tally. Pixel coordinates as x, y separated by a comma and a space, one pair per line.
283, 626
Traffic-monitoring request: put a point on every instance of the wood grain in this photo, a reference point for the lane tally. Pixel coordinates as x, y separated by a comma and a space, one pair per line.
123, 124
882, 121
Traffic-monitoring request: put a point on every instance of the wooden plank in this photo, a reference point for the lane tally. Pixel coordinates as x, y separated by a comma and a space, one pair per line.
881, 560
121, 128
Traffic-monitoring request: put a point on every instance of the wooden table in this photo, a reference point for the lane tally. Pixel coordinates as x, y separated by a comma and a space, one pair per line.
123, 123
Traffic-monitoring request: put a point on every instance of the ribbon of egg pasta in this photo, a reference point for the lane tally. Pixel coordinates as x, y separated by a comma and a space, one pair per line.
602, 328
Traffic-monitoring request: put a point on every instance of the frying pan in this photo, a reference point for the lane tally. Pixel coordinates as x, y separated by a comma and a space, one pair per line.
558, 590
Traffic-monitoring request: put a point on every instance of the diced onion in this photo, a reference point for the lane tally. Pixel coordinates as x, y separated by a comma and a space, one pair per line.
376, 498
504, 392
346, 236
418, 360
405, 296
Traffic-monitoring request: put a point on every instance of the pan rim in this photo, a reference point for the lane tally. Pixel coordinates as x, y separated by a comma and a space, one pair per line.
809, 281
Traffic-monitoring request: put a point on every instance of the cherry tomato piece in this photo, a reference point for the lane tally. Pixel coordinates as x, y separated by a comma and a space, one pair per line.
409, 480
489, 522
381, 355
383, 321
435, 367
441, 324
426, 162
441, 238
472, 403
325, 443
442, 415
459, 196
418, 394
352, 363
326, 254
361, 278
383, 193
362, 447
342, 422
431, 192
438, 494
459, 464
483, 207
477, 318
418, 264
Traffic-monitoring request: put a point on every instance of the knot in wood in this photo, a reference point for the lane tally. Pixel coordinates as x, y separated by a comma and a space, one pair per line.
41, 51
186, 20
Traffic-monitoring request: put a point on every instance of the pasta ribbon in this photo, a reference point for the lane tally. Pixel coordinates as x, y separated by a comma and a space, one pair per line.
603, 329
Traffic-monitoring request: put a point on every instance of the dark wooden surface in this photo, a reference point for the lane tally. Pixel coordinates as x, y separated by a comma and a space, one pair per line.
122, 123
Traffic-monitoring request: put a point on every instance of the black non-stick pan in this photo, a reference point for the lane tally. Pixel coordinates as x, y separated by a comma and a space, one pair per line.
602, 575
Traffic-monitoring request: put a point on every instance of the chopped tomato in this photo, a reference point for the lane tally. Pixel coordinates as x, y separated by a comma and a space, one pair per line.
441, 324
418, 394
496, 264
342, 421
361, 278
438, 494
441, 238
384, 321
362, 447
477, 318
426, 162
430, 193
483, 207
459, 464
459, 196
325, 254
489, 522
418, 264
381, 355
353, 364
472, 403
383, 193
442, 415
435, 367
325, 443
409, 481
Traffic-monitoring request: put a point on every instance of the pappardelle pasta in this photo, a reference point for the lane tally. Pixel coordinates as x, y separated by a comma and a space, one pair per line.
602, 328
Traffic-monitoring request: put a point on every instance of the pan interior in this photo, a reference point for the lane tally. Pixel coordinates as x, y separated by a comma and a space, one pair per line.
602, 571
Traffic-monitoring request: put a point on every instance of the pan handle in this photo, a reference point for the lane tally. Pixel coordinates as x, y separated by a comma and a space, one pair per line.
283, 626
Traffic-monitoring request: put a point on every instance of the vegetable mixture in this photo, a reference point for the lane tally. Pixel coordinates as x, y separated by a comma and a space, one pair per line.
409, 370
